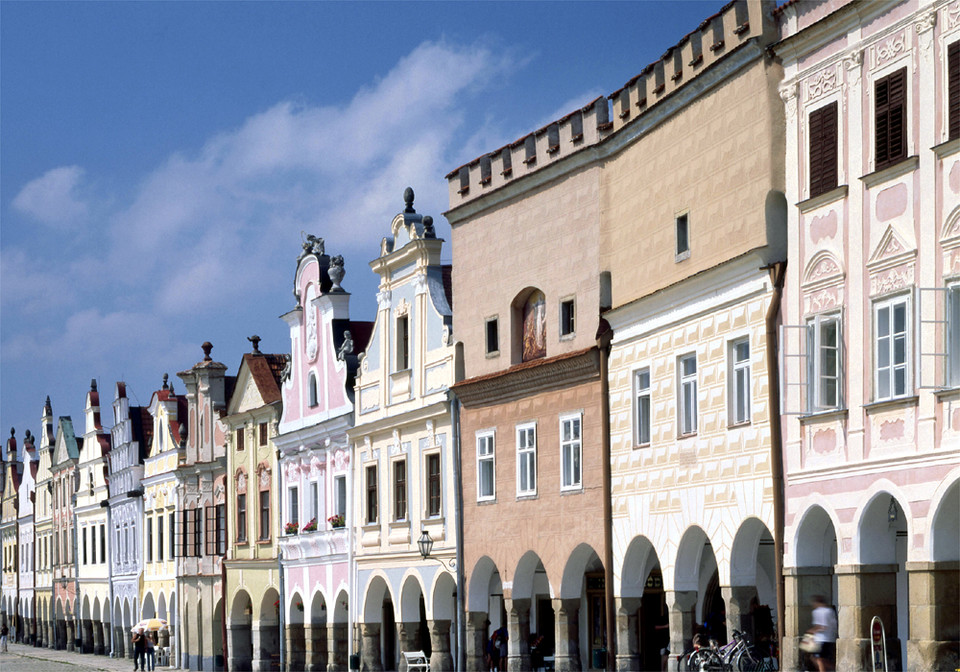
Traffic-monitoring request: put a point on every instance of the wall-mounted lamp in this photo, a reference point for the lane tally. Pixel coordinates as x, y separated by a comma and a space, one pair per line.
425, 544
892, 511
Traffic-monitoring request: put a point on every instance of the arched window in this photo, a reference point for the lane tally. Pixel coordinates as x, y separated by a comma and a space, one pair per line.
313, 389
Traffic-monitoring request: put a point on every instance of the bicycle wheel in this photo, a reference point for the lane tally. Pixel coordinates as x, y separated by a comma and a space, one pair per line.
705, 660
746, 661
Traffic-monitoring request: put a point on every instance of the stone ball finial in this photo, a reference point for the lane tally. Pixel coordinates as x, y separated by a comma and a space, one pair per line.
183, 434
206, 347
166, 377
428, 230
408, 199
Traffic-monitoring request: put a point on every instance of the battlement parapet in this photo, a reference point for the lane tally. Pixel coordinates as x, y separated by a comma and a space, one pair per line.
717, 36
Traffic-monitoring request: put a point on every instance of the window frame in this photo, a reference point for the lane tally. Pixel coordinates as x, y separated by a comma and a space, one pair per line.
340, 495
494, 323
735, 368
953, 90
401, 508
814, 345
906, 365
293, 505
402, 343
687, 381
567, 317
575, 444
434, 485
527, 453
823, 165
482, 438
681, 222
241, 518
371, 501
640, 393
263, 509
884, 154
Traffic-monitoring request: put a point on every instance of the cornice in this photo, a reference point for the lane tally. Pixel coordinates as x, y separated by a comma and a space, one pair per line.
530, 378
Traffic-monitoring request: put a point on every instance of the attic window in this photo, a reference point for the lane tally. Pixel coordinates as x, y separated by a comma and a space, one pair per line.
464, 180
658, 78
743, 17
485, 170
240, 438
313, 390
624, 101
603, 115
530, 149
717, 29
506, 161
576, 126
696, 46
677, 65
553, 138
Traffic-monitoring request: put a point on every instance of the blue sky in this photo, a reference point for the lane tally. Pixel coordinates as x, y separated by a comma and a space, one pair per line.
160, 159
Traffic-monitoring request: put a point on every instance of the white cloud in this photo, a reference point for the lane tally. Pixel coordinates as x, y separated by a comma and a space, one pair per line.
54, 198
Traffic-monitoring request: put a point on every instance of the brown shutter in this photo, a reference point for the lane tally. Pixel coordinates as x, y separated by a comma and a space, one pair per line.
953, 88
891, 119
823, 149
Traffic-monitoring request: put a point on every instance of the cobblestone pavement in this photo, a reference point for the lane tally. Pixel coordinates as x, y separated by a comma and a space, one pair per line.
23, 658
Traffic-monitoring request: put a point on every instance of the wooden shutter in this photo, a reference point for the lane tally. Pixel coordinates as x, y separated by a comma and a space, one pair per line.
823, 149
891, 119
211, 546
197, 532
953, 88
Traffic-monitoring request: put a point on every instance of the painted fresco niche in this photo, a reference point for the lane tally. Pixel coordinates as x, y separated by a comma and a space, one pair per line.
822, 283
892, 433
529, 325
892, 264
824, 443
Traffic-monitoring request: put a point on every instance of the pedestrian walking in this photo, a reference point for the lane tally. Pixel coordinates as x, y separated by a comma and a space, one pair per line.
4, 632
151, 651
824, 631
139, 651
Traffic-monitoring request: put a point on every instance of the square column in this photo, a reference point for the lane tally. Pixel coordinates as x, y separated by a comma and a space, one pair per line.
866, 591
315, 647
370, 648
476, 639
737, 601
407, 637
680, 608
567, 635
518, 633
628, 634
295, 648
337, 647
934, 616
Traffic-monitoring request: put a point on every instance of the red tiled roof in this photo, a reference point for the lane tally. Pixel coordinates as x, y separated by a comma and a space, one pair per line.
266, 370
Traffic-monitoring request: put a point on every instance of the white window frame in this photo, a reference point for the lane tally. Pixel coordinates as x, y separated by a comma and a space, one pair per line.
575, 447
572, 301
887, 374
952, 336
486, 439
639, 394
815, 356
527, 454
293, 508
739, 382
340, 495
685, 383
315, 501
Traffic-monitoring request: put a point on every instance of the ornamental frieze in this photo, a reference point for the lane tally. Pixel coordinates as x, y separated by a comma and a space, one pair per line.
888, 49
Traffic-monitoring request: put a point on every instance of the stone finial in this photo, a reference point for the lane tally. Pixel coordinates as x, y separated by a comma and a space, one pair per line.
428, 230
13, 432
206, 347
256, 343
183, 435
166, 377
46, 405
336, 273
93, 384
408, 200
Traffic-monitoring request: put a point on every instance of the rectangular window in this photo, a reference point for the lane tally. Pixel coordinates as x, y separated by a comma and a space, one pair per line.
294, 504
527, 460
567, 325
197, 532
485, 467
403, 343
823, 149
372, 493
240, 438
160, 538
221, 529
242, 517
84, 545
683, 237
150, 539
263, 433
315, 501
953, 335
892, 345
340, 495
890, 115
264, 515
103, 544
687, 385
492, 335
739, 381
173, 532
823, 345
641, 382
433, 485
953, 89
400, 490
571, 453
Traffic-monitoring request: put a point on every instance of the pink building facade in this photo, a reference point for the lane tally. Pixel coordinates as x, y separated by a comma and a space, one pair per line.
870, 356
315, 462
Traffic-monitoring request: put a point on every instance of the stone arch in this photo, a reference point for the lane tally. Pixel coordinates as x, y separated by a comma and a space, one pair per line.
295, 632
377, 590
688, 560
483, 579
582, 559
752, 561
341, 612
945, 525
318, 608
147, 609
411, 597
240, 632
444, 601
162, 607
882, 511
525, 573
638, 561
85, 613
815, 541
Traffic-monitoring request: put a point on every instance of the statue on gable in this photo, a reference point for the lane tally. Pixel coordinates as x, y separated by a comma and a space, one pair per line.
346, 348
336, 273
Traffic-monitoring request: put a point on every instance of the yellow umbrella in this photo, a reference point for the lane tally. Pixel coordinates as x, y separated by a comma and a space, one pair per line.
152, 624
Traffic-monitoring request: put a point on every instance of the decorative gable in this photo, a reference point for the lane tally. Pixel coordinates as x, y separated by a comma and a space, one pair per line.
895, 248
822, 270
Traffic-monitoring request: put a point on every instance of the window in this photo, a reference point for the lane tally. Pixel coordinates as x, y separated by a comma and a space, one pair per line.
492, 336
403, 343
372, 493
294, 504
823, 149
313, 390
687, 383
892, 345
340, 495
567, 326
953, 90
242, 517
953, 335
103, 544
160, 537
314, 500
400, 490
433, 485
683, 237
571, 453
264, 515
150, 539
173, 532
84, 545
221, 529
641, 382
823, 345
263, 433
197, 532
239, 438
890, 115
485, 467
527, 460
216, 527
739, 381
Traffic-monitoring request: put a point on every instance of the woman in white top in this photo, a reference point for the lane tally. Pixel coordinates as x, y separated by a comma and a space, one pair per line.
824, 630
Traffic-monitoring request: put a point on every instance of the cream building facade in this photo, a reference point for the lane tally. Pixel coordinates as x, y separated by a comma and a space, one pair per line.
43, 531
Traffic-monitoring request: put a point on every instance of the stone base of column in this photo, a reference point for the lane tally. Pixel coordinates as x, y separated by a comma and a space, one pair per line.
926, 654
854, 655
370, 649
441, 659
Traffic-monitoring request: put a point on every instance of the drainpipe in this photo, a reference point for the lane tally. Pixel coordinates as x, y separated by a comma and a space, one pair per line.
777, 274
113, 626
224, 644
458, 487
603, 349
283, 598
350, 521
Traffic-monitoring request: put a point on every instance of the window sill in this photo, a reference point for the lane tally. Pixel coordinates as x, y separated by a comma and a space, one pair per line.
823, 416
835, 194
642, 445
690, 435
527, 495
264, 542
682, 256
568, 337
947, 148
492, 355
370, 527
486, 501
571, 490
887, 404
738, 425
908, 165
946, 393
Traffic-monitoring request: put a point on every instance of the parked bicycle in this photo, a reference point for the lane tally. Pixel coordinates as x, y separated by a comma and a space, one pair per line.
738, 655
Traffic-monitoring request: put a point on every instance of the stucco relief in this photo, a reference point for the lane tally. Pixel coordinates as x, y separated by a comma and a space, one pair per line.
824, 441
822, 83
311, 324
823, 226
953, 15
892, 279
341, 459
788, 94
822, 269
384, 297
926, 22
889, 49
951, 261
369, 398
891, 430
853, 61
822, 300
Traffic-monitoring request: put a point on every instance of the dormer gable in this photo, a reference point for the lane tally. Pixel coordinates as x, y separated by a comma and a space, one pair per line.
167, 409
67, 447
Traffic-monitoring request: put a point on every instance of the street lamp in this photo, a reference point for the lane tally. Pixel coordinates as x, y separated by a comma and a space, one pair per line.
425, 544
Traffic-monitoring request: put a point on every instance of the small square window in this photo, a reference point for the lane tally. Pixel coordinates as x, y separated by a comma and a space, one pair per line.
567, 325
492, 336
683, 237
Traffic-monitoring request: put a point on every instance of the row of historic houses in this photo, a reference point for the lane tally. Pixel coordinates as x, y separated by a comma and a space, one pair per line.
706, 366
